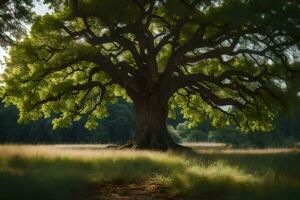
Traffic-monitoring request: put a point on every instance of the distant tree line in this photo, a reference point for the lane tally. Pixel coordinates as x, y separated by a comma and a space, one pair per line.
286, 133
118, 128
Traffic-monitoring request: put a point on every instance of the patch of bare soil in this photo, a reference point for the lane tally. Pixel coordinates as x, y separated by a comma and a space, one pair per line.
125, 191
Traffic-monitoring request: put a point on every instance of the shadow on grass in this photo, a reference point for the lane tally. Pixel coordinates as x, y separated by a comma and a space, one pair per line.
218, 178
283, 163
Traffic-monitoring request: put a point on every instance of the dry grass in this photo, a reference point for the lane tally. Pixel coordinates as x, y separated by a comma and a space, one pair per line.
81, 152
35, 171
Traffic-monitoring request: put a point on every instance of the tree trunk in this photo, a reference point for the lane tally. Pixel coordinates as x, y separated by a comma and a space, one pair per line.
151, 131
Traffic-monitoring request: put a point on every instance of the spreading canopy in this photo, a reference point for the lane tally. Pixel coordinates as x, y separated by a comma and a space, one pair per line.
13, 15
233, 61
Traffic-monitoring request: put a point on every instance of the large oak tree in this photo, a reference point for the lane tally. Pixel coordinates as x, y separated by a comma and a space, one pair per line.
232, 61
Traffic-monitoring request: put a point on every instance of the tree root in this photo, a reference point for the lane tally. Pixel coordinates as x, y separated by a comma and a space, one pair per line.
131, 145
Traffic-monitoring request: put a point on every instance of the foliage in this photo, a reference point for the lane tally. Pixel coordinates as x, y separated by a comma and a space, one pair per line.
117, 128
13, 16
286, 133
197, 134
223, 60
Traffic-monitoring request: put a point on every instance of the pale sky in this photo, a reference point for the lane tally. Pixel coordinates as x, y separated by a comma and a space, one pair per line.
40, 9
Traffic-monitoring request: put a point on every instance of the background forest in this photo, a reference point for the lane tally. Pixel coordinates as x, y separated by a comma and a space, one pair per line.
118, 128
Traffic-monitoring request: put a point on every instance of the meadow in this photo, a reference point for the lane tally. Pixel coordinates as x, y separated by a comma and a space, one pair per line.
54, 172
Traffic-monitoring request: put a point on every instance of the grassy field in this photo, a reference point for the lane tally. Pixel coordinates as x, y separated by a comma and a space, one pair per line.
54, 172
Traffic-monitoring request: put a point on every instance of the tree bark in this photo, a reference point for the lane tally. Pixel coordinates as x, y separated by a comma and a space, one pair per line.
151, 131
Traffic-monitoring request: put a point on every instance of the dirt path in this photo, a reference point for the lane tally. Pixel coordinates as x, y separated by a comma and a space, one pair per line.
125, 191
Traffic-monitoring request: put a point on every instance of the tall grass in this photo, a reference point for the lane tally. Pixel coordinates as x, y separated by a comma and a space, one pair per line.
58, 172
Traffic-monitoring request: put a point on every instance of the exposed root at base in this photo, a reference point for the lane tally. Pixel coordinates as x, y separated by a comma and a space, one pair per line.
131, 145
